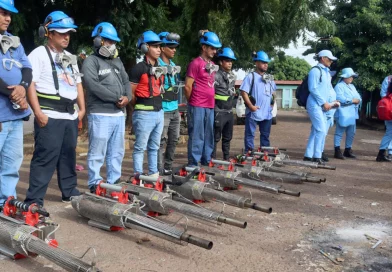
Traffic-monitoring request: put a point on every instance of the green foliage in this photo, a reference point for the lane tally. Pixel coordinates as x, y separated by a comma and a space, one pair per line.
362, 40
289, 68
245, 26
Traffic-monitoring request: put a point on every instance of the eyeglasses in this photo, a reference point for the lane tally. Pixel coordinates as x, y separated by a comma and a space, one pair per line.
66, 21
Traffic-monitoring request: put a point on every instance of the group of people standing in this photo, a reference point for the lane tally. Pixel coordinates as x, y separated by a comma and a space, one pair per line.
48, 83
327, 104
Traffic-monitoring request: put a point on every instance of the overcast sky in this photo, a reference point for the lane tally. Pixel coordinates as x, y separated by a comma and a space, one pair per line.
293, 51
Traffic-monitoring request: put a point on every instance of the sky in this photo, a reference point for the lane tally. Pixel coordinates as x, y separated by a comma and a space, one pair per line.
293, 51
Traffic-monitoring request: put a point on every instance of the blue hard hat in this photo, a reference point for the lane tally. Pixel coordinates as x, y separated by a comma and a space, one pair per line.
8, 5
148, 37
211, 39
171, 39
261, 56
58, 19
226, 53
106, 30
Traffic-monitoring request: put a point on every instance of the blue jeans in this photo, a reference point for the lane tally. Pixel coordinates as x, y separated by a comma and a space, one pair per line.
386, 142
201, 135
318, 132
106, 138
11, 157
250, 128
148, 127
350, 133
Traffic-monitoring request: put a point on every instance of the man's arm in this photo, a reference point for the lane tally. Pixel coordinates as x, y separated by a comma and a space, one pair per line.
127, 91
247, 102
42, 119
384, 87
188, 87
133, 100
80, 101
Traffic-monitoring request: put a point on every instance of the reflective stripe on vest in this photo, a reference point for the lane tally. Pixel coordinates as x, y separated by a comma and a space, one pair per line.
222, 97
143, 107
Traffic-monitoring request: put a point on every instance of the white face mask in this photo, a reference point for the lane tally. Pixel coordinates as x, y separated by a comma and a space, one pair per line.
65, 60
6, 42
107, 51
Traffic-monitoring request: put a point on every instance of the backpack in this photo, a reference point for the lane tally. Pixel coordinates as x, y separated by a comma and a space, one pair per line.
384, 108
302, 91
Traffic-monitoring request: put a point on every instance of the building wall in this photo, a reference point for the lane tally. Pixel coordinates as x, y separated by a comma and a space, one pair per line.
285, 97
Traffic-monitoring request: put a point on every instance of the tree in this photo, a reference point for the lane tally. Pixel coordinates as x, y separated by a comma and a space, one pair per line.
362, 39
289, 68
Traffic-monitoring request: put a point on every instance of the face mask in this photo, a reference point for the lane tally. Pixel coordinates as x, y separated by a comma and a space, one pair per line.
64, 60
173, 70
211, 68
108, 51
231, 77
268, 78
6, 42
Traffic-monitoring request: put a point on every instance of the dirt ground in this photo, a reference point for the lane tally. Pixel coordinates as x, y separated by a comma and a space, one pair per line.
333, 217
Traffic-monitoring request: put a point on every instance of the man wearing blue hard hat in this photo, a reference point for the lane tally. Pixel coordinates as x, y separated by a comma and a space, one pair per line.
200, 93
318, 104
224, 95
55, 89
172, 119
147, 82
257, 90
15, 78
108, 92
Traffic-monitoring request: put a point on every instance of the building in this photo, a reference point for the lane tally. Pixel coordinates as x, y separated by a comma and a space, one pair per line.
285, 93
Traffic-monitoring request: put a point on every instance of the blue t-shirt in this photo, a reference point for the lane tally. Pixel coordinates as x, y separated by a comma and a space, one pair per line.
11, 74
262, 92
172, 105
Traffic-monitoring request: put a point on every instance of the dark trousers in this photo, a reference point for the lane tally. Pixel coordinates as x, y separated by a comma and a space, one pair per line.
223, 129
250, 128
170, 135
54, 149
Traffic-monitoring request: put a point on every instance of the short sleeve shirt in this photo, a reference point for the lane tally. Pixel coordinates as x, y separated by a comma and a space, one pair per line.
262, 92
11, 64
203, 92
140, 75
44, 82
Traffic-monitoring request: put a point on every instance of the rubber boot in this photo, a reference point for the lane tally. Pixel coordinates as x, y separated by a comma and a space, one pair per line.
381, 156
348, 153
338, 153
324, 157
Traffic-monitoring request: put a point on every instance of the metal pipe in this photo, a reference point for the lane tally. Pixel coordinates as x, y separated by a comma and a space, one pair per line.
148, 178
232, 222
117, 188
257, 207
288, 192
200, 242
220, 162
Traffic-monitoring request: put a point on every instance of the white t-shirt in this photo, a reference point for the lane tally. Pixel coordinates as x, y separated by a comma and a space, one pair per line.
44, 83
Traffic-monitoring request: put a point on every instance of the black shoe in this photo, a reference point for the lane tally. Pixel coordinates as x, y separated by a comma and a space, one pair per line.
68, 199
93, 189
348, 153
307, 159
381, 156
338, 153
319, 161
324, 157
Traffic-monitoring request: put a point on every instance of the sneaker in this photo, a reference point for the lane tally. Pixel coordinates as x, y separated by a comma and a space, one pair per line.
66, 199
166, 172
307, 159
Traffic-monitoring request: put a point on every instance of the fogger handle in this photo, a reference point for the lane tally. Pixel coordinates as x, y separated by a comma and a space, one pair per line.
116, 188
25, 207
